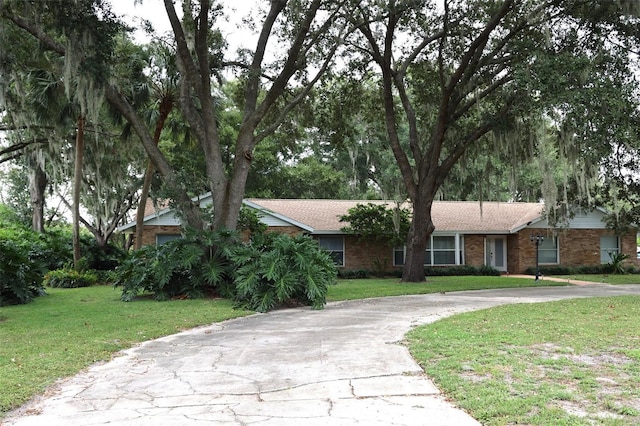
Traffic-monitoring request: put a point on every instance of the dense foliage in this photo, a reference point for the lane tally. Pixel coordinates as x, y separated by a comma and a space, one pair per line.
278, 268
190, 267
26, 256
378, 222
70, 278
269, 270
613, 267
20, 274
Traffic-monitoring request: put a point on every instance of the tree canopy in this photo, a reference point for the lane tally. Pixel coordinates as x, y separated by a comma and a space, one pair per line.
417, 99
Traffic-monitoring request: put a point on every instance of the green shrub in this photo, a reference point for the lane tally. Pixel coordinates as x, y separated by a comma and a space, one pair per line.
70, 278
458, 271
277, 268
351, 274
190, 267
20, 274
551, 270
590, 269
105, 258
269, 270
616, 266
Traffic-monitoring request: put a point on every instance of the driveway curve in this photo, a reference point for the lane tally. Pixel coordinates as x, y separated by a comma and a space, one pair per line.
344, 365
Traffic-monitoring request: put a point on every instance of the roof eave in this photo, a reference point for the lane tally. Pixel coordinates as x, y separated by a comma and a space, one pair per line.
282, 217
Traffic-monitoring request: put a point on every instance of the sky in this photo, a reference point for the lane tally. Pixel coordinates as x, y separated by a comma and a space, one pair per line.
154, 11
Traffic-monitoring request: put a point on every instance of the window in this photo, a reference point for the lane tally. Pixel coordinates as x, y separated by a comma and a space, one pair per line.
441, 250
398, 256
163, 238
335, 247
548, 251
444, 250
609, 246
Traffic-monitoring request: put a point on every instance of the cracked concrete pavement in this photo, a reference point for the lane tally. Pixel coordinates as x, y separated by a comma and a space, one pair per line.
344, 365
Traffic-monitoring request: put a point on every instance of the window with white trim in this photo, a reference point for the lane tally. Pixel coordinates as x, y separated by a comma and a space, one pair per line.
548, 251
609, 247
335, 246
441, 250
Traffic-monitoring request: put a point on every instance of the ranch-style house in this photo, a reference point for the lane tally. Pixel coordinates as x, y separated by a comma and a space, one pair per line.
496, 234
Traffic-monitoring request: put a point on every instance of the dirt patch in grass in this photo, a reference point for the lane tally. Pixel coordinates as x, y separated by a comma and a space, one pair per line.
610, 390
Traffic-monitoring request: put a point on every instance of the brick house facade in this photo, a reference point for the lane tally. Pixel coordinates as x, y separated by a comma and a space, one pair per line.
467, 233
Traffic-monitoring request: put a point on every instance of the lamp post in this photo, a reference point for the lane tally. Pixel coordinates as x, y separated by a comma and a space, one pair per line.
538, 239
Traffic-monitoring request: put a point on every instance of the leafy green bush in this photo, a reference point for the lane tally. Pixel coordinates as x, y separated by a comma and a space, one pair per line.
616, 266
20, 274
351, 274
105, 258
269, 270
551, 270
590, 269
458, 271
190, 267
70, 278
390, 225
278, 268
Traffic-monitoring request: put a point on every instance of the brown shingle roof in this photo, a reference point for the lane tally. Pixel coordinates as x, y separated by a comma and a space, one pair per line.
468, 216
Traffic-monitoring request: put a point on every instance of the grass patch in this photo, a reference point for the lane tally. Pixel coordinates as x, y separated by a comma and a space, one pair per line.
605, 279
571, 362
365, 288
69, 329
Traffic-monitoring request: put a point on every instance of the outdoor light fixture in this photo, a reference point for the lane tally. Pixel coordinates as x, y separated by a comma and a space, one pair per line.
538, 239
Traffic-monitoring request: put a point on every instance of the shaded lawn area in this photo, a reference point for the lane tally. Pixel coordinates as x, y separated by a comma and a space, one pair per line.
69, 329
574, 362
372, 287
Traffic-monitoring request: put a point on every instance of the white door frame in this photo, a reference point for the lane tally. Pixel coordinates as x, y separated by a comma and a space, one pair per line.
494, 246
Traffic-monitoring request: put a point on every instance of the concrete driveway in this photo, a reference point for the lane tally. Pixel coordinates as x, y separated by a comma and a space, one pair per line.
344, 365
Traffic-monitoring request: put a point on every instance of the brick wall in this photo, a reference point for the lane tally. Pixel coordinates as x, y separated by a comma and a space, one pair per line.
367, 254
289, 230
474, 250
149, 233
577, 247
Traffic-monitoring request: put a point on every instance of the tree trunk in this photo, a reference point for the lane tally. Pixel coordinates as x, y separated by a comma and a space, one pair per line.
146, 185
227, 208
166, 105
37, 187
419, 233
77, 180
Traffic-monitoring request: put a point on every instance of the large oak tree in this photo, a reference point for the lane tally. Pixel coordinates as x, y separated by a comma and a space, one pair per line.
458, 73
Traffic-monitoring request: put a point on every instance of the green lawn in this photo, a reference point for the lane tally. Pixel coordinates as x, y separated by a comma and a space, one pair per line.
364, 288
60, 334
573, 362
606, 279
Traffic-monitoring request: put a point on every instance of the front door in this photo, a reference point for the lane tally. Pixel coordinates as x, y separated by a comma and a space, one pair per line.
495, 250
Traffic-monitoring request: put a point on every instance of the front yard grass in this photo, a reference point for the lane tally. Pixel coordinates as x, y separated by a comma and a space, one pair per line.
604, 279
381, 287
60, 334
573, 362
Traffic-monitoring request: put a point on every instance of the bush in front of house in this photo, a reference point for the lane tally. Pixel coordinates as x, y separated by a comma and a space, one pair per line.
70, 278
351, 274
601, 269
461, 270
270, 270
190, 267
279, 269
20, 274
